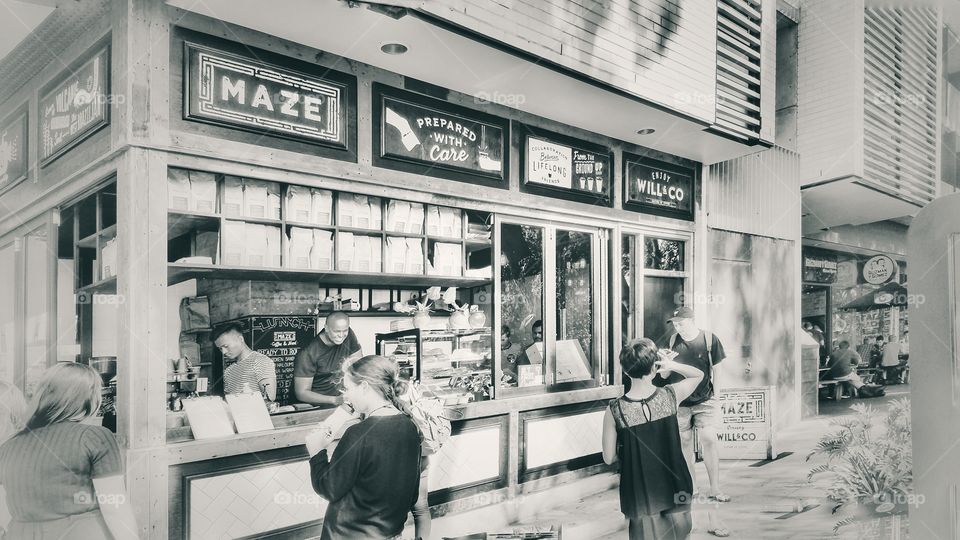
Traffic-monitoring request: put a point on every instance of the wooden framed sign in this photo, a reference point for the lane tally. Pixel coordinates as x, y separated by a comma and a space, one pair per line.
295, 100
564, 167
13, 149
75, 104
657, 187
423, 135
746, 431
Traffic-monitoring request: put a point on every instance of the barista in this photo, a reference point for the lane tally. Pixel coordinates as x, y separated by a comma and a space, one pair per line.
509, 352
251, 371
317, 367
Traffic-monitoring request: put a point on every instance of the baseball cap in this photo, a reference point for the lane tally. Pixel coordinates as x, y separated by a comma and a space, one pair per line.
681, 313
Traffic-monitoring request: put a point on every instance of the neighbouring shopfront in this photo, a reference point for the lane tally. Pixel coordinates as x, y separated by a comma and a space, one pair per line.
856, 298
268, 184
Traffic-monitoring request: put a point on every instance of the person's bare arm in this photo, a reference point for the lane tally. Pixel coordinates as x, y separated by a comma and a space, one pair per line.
116, 509
692, 377
609, 441
302, 388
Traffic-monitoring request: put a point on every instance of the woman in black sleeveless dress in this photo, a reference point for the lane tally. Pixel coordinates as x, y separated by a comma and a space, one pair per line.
640, 430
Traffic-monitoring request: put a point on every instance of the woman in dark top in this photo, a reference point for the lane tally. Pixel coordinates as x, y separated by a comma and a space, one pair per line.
67, 476
372, 479
640, 430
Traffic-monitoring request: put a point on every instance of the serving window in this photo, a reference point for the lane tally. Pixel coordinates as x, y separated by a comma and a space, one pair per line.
549, 299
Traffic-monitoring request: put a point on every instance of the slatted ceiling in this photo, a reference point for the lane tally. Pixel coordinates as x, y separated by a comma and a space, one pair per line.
897, 125
738, 67
737, 88
900, 102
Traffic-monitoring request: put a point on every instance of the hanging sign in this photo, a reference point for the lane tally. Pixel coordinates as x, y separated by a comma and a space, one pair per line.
567, 168
879, 269
658, 187
237, 91
75, 105
13, 149
819, 268
435, 137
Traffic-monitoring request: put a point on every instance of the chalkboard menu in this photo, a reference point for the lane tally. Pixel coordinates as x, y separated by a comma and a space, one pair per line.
280, 338
562, 165
13, 149
75, 105
436, 138
657, 187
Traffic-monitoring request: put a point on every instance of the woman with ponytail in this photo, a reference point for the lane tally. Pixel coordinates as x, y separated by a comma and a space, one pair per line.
372, 479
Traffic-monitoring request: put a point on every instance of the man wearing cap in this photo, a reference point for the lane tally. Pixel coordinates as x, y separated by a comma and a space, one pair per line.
701, 349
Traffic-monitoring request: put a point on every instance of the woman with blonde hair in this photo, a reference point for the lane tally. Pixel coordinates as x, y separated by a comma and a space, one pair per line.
13, 412
372, 478
67, 475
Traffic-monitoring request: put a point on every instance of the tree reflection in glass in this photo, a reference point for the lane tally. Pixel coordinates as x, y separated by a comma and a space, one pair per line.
521, 302
574, 306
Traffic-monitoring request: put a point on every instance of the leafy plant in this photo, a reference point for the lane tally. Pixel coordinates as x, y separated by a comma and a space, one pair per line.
869, 460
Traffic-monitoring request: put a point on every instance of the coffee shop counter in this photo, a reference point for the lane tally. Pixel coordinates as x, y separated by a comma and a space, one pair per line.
259, 483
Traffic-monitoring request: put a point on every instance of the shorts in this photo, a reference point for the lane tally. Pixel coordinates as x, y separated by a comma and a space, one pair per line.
701, 415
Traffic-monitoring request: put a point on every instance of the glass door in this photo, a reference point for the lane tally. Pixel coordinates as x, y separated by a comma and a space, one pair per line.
654, 273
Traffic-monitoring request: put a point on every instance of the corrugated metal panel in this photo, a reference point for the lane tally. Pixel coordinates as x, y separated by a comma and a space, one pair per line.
738, 67
900, 102
756, 194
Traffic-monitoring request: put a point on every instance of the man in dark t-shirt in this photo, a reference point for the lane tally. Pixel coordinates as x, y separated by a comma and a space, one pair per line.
317, 367
701, 409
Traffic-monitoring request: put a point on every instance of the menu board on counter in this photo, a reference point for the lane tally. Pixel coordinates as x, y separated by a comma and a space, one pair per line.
242, 92
13, 149
280, 338
428, 136
657, 187
75, 105
561, 165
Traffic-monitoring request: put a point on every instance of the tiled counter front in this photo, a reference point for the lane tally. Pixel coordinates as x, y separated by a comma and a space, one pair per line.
262, 494
560, 439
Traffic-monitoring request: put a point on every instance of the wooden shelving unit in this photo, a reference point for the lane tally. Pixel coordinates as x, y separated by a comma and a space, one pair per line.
104, 286
182, 223
179, 272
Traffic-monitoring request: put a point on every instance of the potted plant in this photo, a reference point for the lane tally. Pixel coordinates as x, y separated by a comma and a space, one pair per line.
870, 465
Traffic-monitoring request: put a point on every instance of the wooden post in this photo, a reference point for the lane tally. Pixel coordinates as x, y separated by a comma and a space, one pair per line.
140, 73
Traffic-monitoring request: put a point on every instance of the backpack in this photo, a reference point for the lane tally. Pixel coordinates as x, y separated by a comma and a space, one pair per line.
427, 414
871, 391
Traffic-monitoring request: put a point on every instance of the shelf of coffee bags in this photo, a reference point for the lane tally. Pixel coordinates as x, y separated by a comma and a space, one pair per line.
179, 272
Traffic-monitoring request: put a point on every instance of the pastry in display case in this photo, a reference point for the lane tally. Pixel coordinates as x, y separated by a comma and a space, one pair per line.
454, 365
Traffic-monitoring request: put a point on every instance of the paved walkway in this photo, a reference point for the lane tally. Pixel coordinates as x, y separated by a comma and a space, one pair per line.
762, 493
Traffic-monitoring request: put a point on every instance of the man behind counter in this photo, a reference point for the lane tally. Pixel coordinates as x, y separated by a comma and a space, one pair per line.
317, 367
251, 371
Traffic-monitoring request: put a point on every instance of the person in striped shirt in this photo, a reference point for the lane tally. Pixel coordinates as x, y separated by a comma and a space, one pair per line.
251, 371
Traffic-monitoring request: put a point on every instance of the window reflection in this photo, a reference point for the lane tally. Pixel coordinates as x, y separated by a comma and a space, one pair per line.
521, 305
628, 299
663, 254
575, 320
7, 311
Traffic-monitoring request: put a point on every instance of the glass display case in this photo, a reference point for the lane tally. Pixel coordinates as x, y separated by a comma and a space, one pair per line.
455, 365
